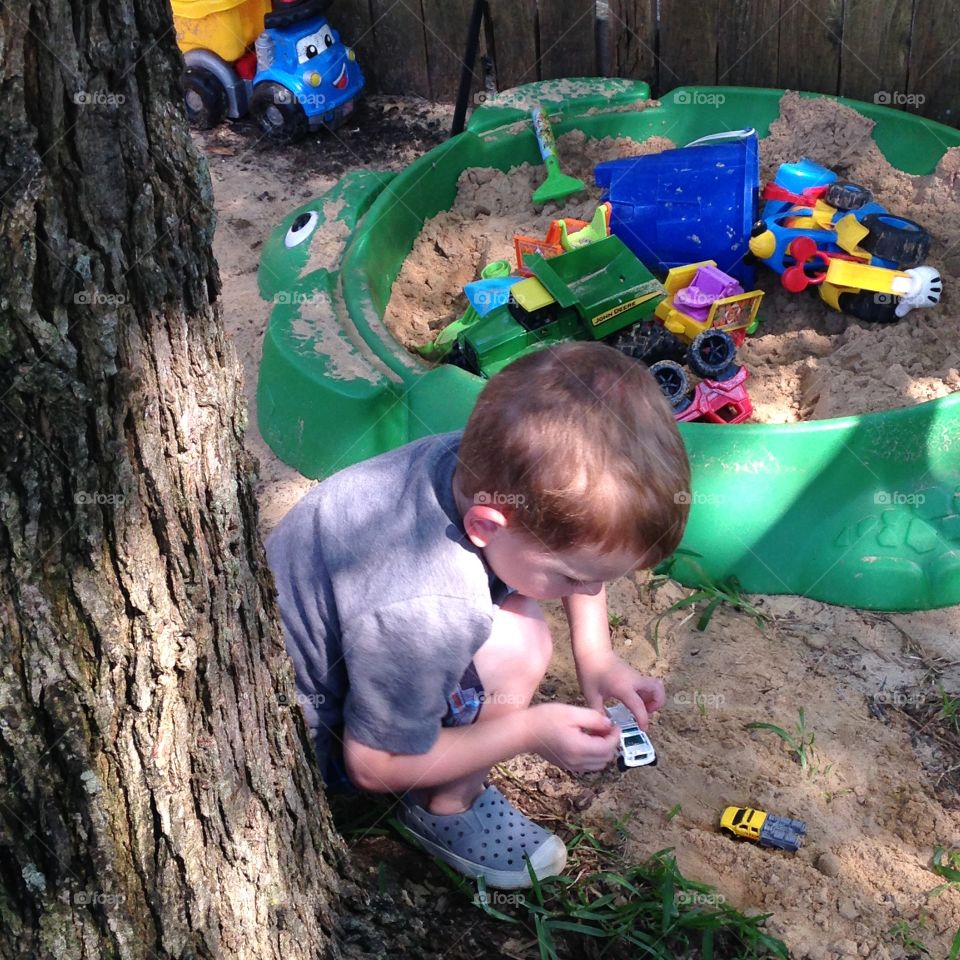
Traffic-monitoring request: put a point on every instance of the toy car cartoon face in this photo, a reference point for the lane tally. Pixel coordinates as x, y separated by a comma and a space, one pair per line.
306, 78
635, 748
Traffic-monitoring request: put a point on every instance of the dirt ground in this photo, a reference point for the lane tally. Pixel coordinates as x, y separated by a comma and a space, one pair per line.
881, 789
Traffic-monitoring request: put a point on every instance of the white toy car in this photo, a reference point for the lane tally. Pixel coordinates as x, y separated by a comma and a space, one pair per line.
635, 748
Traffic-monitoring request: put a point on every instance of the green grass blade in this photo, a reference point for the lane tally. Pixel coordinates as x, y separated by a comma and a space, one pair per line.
710, 610
955, 948
787, 738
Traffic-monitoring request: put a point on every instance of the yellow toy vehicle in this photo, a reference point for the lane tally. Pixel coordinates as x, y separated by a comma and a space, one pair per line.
700, 297
279, 60
763, 828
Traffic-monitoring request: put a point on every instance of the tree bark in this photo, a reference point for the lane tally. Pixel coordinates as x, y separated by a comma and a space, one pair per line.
156, 797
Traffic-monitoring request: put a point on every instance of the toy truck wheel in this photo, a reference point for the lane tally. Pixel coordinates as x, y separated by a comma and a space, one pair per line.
673, 384
649, 343
712, 355
280, 117
621, 766
205, 98
870, 307
903, 241
844, 195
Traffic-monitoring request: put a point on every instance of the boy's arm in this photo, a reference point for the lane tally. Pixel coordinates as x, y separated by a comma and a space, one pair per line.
572, 737
601, 672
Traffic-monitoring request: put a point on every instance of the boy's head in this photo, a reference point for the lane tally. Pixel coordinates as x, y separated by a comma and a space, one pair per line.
571, 460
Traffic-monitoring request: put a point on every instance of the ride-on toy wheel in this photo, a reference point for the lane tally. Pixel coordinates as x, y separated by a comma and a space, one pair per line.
903, 241
205, 98
871, 307
673, 383
649, 343
844, 195
712, 355
280, 117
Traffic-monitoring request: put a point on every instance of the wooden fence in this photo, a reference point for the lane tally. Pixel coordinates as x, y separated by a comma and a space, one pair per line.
905, 53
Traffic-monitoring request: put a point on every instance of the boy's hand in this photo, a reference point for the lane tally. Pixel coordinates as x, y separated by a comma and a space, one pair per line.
576, 738
614, 679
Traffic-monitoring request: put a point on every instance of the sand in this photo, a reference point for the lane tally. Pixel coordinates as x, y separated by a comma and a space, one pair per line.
806, 362
885, 791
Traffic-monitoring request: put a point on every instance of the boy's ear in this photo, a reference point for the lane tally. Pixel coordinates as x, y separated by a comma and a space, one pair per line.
482, 524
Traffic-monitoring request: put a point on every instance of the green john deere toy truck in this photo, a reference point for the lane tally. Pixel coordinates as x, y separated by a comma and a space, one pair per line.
590, 293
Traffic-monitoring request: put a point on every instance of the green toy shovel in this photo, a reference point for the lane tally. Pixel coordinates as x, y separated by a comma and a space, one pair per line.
557, 186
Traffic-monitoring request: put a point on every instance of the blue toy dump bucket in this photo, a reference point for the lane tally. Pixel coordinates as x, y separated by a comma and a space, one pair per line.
682, 206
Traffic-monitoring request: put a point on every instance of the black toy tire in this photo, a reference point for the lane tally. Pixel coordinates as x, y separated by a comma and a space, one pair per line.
279, 116
673, 383
712, 355
648, 342
906, 246
291, 14
870, 307
204, 97
621, 766
844, 195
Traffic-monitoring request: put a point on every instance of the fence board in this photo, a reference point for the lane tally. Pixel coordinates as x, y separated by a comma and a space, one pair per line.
445, 29
748, 38
351, 19
810, 35
568, 45
934, 71
875, 51
515, 42
632, 40
400, 64
688, 44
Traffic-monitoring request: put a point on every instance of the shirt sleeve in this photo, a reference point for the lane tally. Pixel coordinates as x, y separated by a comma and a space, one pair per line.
402, 661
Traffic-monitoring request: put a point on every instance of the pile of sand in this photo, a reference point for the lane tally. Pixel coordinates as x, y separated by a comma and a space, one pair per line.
806, 361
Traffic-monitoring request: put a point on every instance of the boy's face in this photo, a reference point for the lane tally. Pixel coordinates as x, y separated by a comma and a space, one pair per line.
537, 572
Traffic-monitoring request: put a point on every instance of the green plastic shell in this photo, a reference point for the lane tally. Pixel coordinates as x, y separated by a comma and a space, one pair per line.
863, 511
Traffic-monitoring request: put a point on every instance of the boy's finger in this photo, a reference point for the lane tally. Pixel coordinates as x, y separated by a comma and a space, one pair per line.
595, 722
639, 710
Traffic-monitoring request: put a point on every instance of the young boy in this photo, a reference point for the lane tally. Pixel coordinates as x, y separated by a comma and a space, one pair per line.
408, 588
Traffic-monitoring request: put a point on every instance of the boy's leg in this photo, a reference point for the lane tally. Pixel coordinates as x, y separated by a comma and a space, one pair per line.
510, 665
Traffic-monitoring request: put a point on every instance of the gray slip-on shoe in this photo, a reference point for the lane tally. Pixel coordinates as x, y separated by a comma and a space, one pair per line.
492, 840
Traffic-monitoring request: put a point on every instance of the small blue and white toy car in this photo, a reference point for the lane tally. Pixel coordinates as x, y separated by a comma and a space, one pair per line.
635, 748
817, 230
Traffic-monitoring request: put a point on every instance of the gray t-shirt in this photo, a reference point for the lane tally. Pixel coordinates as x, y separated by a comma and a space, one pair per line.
383, 598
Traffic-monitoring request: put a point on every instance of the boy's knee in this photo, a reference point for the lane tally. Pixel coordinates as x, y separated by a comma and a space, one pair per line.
522, 646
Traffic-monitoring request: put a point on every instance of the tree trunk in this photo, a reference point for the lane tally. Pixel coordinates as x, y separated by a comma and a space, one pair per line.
156, 798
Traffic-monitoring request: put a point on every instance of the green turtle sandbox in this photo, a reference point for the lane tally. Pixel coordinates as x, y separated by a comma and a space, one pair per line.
862, 511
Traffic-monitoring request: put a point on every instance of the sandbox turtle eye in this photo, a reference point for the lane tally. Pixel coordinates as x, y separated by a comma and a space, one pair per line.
301, 228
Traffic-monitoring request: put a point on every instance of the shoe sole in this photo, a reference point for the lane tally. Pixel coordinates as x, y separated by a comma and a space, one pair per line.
548, 860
